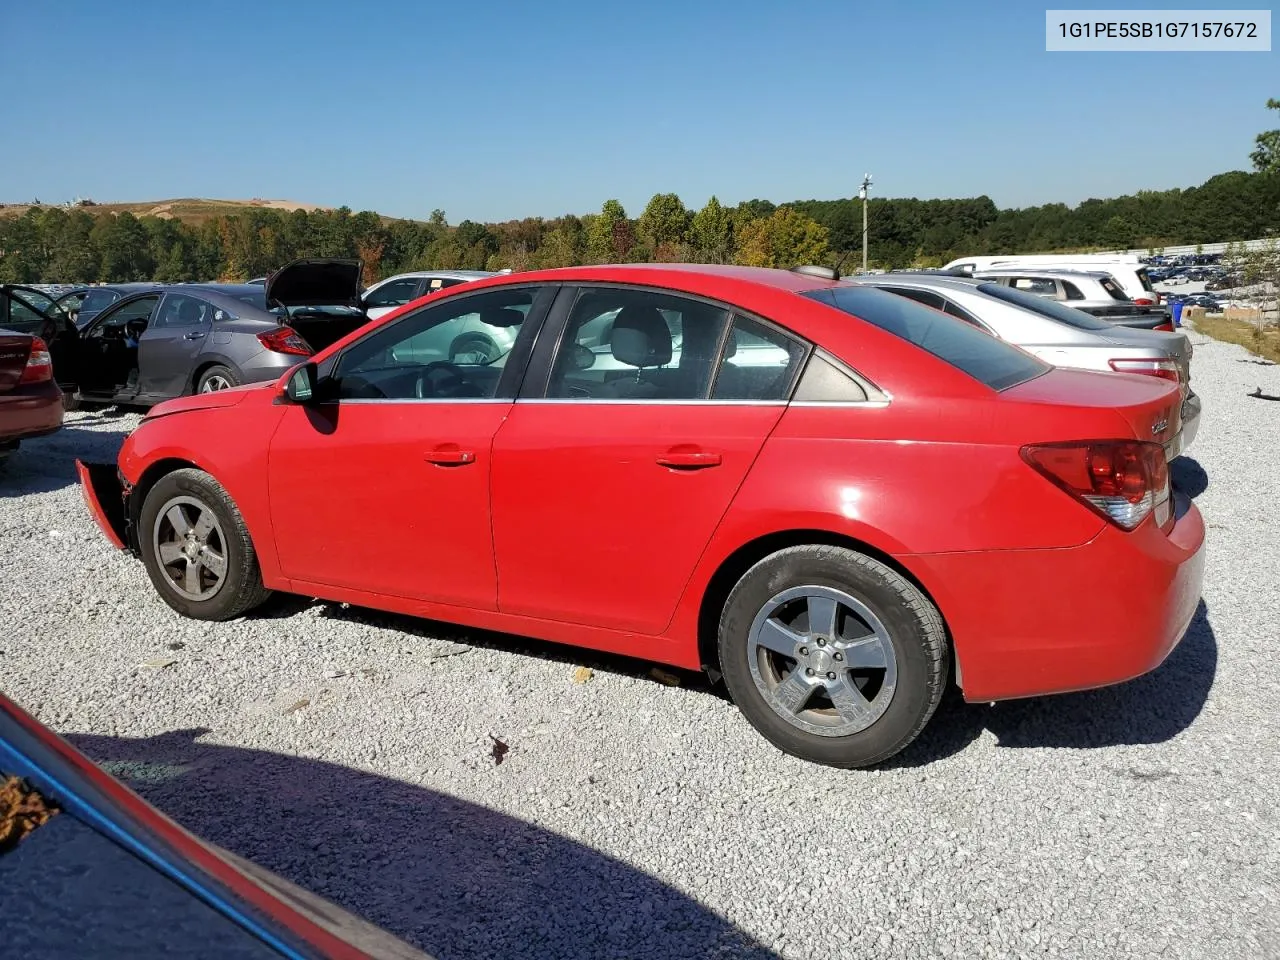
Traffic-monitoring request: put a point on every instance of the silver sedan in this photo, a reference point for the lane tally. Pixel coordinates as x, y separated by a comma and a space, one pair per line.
1057, 333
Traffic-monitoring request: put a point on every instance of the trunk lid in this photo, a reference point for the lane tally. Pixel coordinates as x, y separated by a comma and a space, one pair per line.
15, 348
316, 282
1175, 345
1150, 406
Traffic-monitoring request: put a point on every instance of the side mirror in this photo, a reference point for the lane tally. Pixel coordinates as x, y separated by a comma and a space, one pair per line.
583, 358
301, 385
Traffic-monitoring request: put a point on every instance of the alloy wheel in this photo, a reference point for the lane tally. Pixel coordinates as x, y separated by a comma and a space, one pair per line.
822, 660
190, 548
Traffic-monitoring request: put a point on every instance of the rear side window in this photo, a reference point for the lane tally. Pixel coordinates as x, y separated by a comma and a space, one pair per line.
1113, 289
1144, 278
1046, 308
983, 357
1071, 290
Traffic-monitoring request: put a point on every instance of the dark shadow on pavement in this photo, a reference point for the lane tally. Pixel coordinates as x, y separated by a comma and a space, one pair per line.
1152, 708
282, 606
1188, 477
455, 879
48, 463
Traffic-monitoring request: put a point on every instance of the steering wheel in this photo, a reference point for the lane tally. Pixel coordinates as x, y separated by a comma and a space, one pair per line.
454, 377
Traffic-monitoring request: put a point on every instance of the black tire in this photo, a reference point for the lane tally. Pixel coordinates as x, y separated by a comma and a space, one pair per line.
217, 374
70, 400
912, 623
241, 588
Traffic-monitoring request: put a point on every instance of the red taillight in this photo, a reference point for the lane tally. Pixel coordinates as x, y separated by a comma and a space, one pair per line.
285, 340
1145, 302
39, 366
1123, 480
1163, 368
1167, 326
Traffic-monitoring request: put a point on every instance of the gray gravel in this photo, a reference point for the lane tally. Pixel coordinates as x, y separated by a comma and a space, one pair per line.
353, 753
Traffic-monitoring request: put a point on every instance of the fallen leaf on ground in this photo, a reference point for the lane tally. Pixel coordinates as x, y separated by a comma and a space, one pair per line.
157, 663
500, 750
582, 674
298, 705
663, 677
21, 811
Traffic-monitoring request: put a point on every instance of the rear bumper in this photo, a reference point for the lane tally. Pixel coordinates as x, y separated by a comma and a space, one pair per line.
1191, 408
1033, 622
30, 411
104, 495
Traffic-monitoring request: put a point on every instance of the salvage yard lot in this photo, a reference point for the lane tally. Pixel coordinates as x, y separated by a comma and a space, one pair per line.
361, 755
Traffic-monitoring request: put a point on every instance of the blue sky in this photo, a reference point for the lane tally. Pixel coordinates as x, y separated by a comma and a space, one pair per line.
509, 109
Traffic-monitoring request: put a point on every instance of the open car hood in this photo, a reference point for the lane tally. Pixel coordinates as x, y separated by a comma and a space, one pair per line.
319, 282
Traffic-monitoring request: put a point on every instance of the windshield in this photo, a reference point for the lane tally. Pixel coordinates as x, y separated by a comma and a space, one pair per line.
983, 357
1045, 307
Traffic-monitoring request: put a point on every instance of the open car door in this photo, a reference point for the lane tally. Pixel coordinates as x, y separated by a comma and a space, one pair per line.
31, 311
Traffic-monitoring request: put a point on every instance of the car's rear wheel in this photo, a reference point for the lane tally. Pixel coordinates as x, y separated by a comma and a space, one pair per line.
216, 378
196, 548
832, 655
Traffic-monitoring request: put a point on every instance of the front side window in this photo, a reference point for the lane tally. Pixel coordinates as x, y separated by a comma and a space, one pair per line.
394, 293
128, 318
1040, 286
985, 358
454, 350
627, 344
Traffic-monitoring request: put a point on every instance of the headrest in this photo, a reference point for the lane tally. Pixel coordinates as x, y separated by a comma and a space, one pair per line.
189, 312
640, 337
502, 317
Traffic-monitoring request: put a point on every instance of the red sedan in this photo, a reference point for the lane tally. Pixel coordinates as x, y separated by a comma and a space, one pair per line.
30, 402
829, 495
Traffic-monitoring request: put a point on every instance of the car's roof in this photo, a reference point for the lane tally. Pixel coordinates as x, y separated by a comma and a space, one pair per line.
1044, 271
225, 289
446, 274
674, 274
922, 280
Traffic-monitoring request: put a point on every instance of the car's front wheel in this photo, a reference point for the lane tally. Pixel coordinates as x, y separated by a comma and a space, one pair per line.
196, 548
834, 656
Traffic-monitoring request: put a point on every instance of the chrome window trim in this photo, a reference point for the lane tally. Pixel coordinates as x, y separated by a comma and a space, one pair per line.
415, 400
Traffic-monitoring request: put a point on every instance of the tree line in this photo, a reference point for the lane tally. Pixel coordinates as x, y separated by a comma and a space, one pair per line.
53, 244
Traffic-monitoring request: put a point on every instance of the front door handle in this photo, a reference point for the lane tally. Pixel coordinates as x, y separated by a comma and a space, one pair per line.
689, 459
193, 335
450, 456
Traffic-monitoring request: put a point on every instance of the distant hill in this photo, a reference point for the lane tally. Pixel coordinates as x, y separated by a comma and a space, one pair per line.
187, 209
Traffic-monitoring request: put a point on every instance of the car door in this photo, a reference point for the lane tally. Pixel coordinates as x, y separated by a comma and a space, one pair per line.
612, 471
31, 311
382, 485
168, 348
107, 349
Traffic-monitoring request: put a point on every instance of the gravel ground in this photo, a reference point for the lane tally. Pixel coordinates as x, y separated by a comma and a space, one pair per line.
353, 753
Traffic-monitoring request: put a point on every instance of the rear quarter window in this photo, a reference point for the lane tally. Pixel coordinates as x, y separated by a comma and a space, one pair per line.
988, 360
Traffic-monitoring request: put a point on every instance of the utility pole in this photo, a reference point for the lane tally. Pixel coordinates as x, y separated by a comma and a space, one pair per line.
862, 193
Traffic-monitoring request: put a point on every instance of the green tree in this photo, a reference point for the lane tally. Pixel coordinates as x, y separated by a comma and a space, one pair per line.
664, 222
124, 248
609, 234
711, 232
785, 239
1266, 158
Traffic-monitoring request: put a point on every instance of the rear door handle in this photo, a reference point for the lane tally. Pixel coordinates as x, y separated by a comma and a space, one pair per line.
450, 457
689, 459
193, 335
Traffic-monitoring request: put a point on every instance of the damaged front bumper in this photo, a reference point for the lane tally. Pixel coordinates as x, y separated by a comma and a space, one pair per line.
107, 497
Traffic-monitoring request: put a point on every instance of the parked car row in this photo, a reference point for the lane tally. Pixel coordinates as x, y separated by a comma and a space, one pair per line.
834, 494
